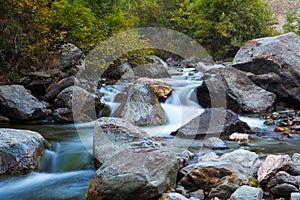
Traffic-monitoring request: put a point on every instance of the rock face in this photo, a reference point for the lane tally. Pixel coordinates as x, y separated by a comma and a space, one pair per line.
213, 121
247, 193
141, 106
160, 88
78, 99
132, 165
271, 166
220, 177
275, 65
20, 151
17, 103
68, 60
232, 89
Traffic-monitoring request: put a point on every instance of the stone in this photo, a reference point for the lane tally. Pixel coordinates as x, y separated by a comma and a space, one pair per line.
4, 119
295, 169
247, 159
224, 190
66, 115
283, 177
239, 137
20, 151
273, 63
295, 196
18, 104
247, 193
79, 100
213, 121
198, 194
271, 165
232, 89
284, 189
208, 157
112, 135
269, 121
173, 196
275, 115
136, 173
186, 154
160, 88
214, 143
54, 89
115, 73
141, 106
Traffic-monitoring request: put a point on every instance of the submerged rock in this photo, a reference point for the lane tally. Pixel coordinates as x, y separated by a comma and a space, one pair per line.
18, 104
275, 65
141, 106
213, 121
20, 151
232, 89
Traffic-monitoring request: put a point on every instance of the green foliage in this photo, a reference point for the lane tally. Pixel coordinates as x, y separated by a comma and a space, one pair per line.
293, 22
224, 25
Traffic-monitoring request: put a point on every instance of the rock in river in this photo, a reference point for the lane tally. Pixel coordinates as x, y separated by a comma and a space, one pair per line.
18, 104
141, 106
20, 151
213, 121
232, 89
275, 65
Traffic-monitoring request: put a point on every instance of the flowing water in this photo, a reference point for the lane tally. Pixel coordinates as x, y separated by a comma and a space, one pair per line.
67, 167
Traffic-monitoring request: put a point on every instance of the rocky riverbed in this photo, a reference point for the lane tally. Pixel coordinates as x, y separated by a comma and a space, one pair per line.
189, 129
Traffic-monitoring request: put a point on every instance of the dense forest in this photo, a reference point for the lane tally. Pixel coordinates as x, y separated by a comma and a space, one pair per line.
30, 29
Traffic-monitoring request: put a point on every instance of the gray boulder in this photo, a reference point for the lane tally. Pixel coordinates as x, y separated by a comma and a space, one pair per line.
17, 103
295, 196
213, 121
132, 166
141, 106
275, 65
295, 169
214, 143
232, 89
271, 165
247, 193
20, 151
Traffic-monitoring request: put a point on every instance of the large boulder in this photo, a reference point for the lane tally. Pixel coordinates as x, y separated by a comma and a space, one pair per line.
213, 121
141, 106
20, 151
275, 65
232, 89
66, 60
18, 104
132, 166
154, 69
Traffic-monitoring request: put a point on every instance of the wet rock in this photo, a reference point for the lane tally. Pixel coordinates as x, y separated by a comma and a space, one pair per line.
66, 115
283, 177
160, 88
79, 100
271, 165
247, 193
112, 135
295, 196
269, 122
186, 154
173, 196
284, 189
247, 159
18, 104
275, 65
141, 106
239, 137
295, 169
213, 121
232, 89
194, 60
156, 69
20, 151
181, 190
68, 60
224, 190
275, 115
214, 143
4, 119
282, 129
208, 157
136, 173
198, 194
201, 67
54, 89
115, 73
